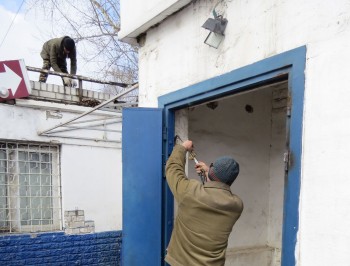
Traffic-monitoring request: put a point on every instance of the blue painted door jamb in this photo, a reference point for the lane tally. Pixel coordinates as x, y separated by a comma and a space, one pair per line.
290, 63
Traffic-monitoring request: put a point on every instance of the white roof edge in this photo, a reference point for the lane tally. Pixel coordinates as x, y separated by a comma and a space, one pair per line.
130, 37
43, 105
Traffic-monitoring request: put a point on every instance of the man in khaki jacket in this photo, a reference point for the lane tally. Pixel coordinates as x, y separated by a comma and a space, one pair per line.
206, 213
54, 54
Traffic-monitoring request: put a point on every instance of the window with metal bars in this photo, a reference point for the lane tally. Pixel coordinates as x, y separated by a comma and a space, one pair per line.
30, 191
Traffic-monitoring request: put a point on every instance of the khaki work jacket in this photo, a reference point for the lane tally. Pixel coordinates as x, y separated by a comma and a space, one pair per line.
206, 215
53, 52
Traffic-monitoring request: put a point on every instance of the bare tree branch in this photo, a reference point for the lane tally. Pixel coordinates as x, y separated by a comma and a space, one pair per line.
95, 27
107, 17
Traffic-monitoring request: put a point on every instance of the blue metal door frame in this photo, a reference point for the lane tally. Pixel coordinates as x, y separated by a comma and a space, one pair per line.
290, 63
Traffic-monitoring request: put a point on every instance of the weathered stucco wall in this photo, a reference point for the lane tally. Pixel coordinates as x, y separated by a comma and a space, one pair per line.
174, 56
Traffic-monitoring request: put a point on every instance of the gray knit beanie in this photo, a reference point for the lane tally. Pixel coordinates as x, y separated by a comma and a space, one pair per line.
225, 169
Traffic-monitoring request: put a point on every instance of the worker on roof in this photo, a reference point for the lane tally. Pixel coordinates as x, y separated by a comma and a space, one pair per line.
206, 212
54, 54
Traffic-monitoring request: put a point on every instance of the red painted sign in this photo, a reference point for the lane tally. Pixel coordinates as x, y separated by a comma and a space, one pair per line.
14, 81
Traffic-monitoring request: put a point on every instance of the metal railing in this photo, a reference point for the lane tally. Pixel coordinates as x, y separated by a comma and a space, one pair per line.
108, 105
80, 79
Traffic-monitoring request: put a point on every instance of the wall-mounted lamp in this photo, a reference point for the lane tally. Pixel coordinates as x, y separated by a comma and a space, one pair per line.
216, 26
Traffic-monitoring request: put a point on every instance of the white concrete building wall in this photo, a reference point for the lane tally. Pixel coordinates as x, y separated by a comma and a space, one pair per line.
91, 172
173, 56
92, 181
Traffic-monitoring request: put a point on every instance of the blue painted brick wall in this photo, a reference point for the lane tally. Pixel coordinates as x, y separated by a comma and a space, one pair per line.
60, 249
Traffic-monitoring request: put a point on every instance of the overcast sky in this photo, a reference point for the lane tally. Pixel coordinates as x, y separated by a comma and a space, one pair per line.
26, 36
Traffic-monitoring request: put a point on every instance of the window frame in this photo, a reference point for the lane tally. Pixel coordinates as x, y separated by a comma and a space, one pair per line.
19, 155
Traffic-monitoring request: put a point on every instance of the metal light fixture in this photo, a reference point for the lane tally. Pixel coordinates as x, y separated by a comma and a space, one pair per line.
216, 26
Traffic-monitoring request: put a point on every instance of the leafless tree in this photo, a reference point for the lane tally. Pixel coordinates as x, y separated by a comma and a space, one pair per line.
94, 25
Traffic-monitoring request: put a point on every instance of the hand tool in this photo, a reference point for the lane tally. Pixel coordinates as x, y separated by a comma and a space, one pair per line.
192, 156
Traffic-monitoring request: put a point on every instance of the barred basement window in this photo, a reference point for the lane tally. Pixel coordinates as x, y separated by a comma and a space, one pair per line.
30, 192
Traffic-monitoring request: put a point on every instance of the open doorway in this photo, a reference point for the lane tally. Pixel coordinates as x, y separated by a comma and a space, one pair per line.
268, 211
252, 127
242, 113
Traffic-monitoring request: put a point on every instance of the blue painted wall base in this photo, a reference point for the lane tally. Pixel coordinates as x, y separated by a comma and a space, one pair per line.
60, 249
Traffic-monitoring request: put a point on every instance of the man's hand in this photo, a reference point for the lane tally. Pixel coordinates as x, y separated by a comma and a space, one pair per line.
74, 83
202, 167
188, 145
67, 81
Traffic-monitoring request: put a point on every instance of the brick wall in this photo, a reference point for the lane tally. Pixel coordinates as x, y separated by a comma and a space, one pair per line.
63, 94
75, 223
61, 249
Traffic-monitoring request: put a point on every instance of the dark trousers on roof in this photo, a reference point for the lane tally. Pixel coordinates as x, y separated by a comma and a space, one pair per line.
62, 64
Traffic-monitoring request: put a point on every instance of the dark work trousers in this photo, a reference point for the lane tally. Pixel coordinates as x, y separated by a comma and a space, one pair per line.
62, 64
